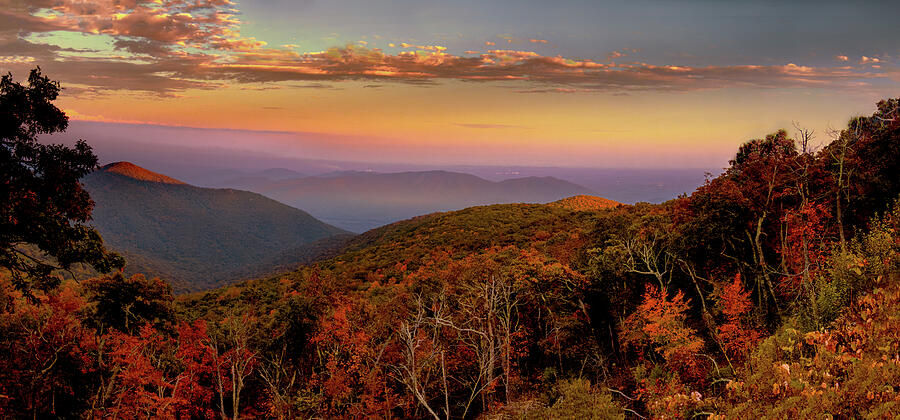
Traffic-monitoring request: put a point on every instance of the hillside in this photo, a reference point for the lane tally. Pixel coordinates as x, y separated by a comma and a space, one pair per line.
359, 201
585, 203
195, 237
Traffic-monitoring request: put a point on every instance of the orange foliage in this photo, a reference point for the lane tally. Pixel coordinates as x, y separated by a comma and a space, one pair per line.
736, 335
658, 326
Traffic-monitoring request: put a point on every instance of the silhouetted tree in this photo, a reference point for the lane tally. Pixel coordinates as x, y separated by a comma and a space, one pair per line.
42, 202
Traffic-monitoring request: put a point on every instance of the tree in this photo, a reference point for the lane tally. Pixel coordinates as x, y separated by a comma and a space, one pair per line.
42, 203
763, 169
127, 303
235, 360
736, 335
874, 161
659, 325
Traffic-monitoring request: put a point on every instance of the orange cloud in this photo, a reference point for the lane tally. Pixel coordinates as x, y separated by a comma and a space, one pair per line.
866, 60
538, 41
195, 23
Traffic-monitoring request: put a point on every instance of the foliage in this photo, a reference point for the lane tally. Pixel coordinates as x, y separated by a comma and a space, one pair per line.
850, 371
658, 329
585, 203
41, 200
127, 303
736, 335
577, 399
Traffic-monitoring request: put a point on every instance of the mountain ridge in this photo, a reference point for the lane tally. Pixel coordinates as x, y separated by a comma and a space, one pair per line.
360, 200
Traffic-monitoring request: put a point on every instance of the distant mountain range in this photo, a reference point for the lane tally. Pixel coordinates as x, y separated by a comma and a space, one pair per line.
200, 237
359, 201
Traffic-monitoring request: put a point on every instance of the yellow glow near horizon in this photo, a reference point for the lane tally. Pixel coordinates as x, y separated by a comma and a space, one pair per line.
493, 119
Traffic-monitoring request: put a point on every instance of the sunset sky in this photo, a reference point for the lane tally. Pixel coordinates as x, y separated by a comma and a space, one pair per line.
665, 83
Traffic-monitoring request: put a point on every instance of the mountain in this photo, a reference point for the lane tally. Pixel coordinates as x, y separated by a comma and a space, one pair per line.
359, 201
197, 237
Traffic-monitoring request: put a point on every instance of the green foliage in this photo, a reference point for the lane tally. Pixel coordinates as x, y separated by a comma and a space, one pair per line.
577, 399
41, 201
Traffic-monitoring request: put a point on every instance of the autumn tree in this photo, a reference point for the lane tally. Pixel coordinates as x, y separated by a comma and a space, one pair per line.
658, 328
42, 202
736, 334
235, 359
874, 161
195, 389
127, 303
138, 386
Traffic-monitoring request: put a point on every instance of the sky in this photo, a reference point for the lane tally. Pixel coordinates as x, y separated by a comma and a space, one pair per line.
642, 83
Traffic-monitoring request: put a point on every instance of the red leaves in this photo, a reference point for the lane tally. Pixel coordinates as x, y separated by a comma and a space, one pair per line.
736, 336
195, 392
806, 244
45, 352
658, 325
155, 375
140, 388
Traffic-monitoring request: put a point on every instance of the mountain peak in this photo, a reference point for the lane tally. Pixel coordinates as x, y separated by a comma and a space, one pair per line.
136, 172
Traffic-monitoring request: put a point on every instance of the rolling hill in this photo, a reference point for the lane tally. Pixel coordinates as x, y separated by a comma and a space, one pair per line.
198, 237
585, 203
359, 201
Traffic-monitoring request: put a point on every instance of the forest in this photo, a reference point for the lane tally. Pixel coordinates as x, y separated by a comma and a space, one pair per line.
771, 291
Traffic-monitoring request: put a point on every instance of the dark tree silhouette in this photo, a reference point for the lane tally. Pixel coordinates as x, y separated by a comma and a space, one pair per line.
128, 303
42, 202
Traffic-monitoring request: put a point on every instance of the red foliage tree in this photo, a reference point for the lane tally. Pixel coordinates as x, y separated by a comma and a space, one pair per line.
658, 326
195, 391
139, 387
736, 335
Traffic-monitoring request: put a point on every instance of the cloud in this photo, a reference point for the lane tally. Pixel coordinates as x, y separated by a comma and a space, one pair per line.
437, 48
556, 72
15, 59
538, 41
842, 58
169, 46
865, 60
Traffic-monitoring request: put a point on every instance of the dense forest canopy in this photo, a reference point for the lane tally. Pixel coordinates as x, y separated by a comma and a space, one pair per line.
771, 291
